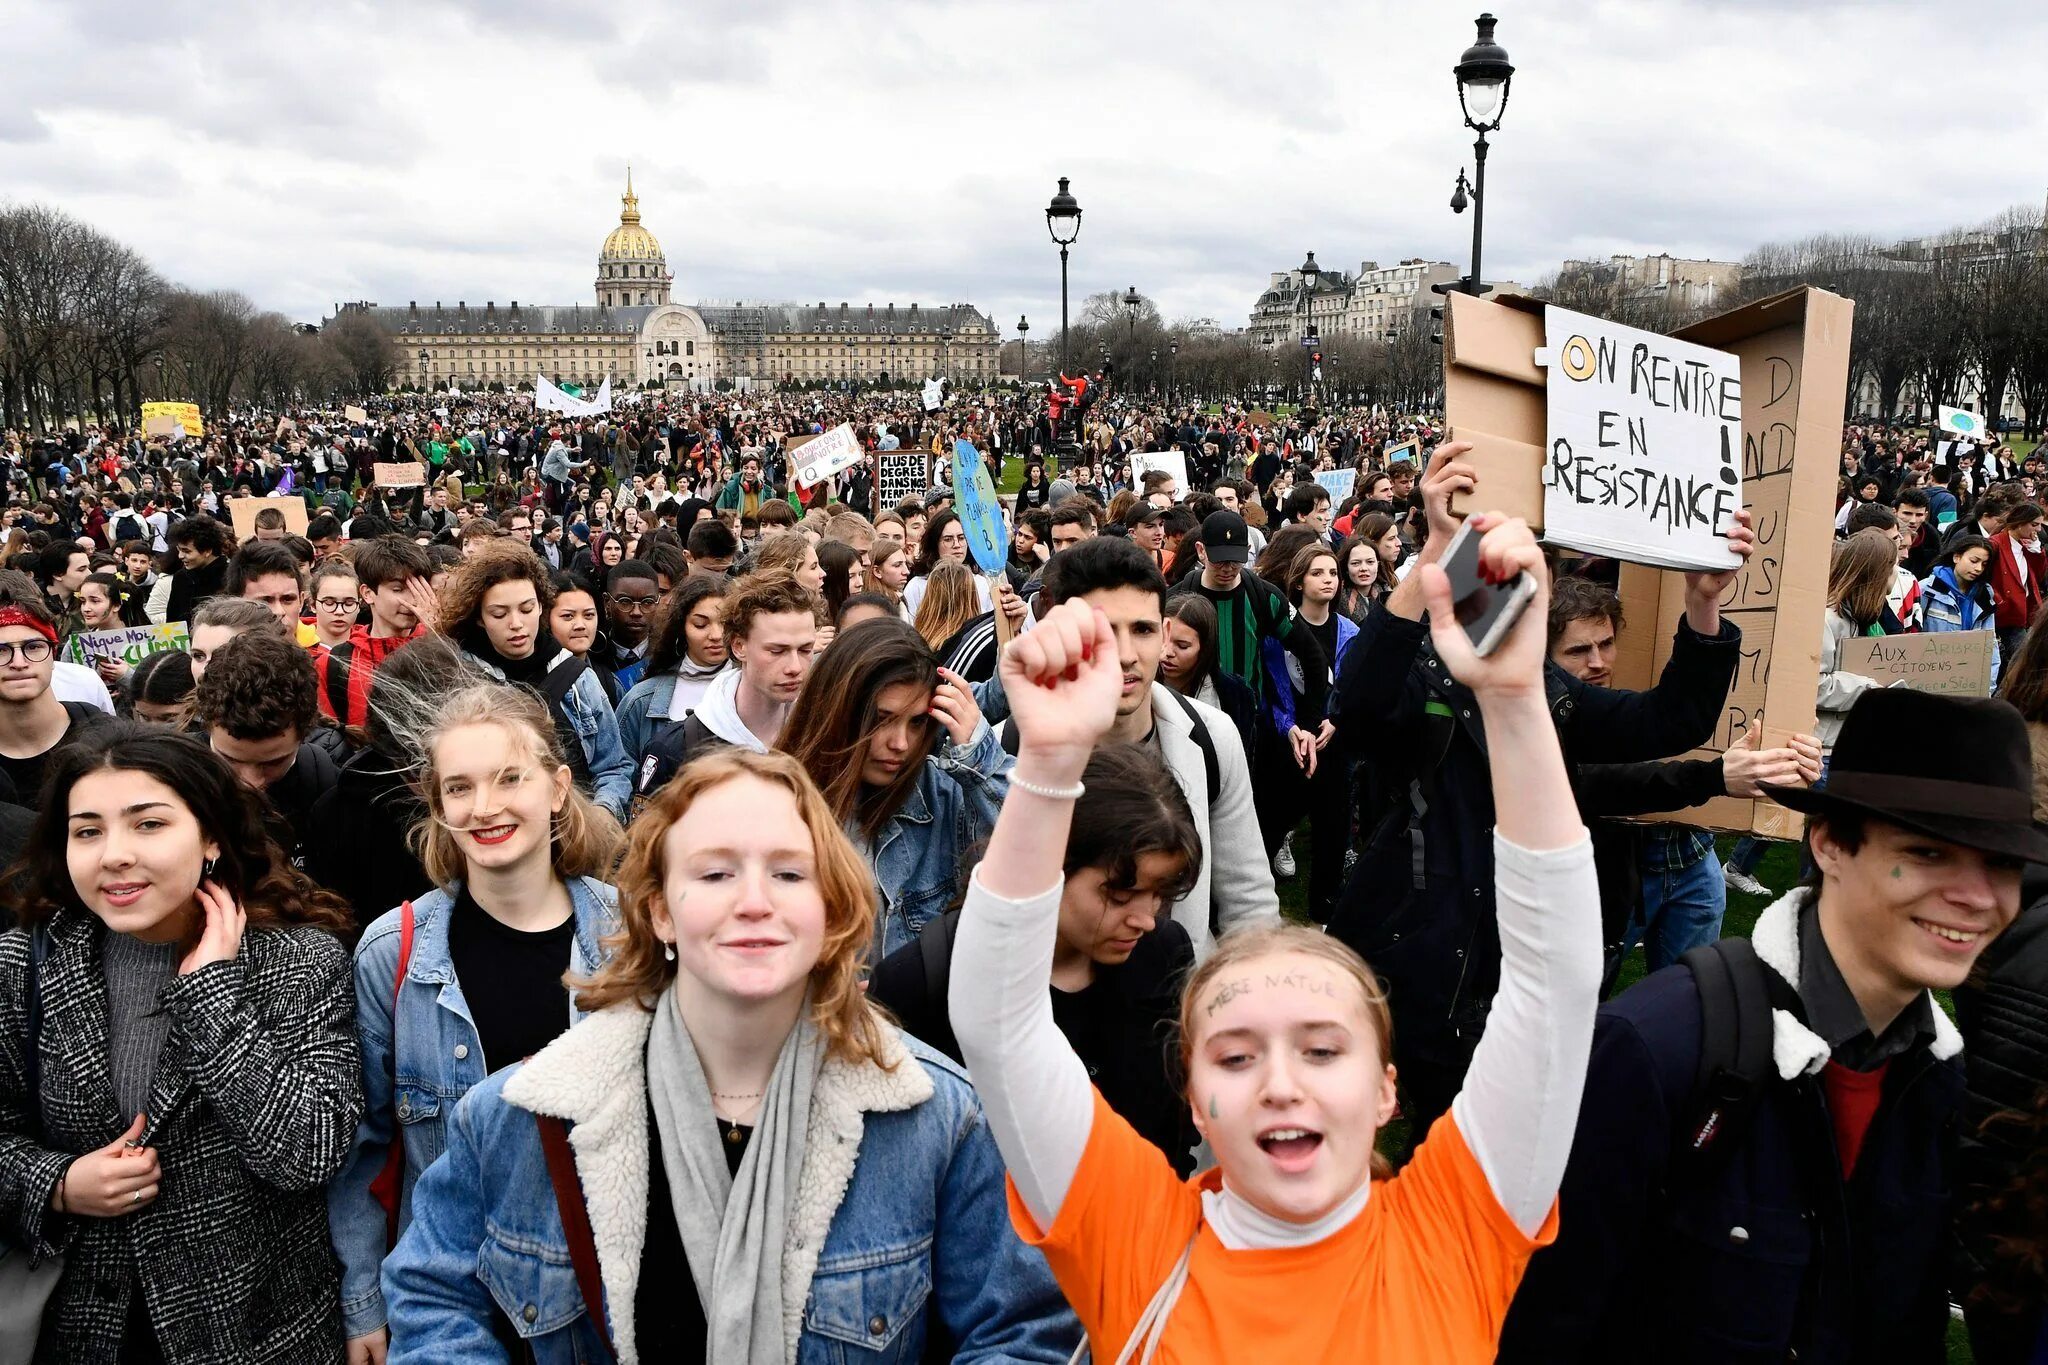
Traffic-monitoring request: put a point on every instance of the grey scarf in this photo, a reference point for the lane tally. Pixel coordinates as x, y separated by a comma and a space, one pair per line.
733, 1225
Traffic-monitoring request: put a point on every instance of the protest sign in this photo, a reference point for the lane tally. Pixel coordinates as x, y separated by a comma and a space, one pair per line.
1964, 423
399, 474
1957, 662
162, 424
1259, 417
1410, 450
1794, 350
826, 455
1640, 443
187, 415
355, 415
934, 394
244, 511
900, 474
1338, 483
981, 512
129, 644
1172, 461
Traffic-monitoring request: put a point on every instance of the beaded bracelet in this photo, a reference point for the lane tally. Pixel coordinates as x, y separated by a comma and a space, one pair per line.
1072, 793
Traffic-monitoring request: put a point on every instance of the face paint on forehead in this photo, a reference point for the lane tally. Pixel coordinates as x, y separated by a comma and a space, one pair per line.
1295, 978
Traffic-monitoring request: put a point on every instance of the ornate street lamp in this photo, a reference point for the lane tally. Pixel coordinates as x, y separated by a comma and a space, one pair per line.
1023, 354
1484, 74
1063, 221
1132, 303
423, 370
1310, 273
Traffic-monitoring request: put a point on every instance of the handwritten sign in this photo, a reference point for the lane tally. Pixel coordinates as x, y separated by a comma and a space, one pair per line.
1962, 422
353, 414
900, 474
244, 511
162, 424
981, 512
1643, 443
1956, 663
187, 415
129, 645
1171, 461
934, 394
399, 474
1338, 483
826, 455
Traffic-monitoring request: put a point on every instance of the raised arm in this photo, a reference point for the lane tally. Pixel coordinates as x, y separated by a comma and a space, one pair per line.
1062, 680
1520, 1102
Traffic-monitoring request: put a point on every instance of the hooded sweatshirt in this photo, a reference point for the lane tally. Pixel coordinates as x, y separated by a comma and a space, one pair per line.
719, 712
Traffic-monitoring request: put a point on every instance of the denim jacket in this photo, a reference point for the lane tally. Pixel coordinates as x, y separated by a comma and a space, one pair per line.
898, 1217
440, 1060
590, 714
923, 853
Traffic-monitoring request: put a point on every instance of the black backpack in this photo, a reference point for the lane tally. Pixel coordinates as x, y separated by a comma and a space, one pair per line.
1738, 992
128, 527
1212, 769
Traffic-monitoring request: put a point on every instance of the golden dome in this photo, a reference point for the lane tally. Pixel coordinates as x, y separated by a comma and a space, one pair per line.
629, 241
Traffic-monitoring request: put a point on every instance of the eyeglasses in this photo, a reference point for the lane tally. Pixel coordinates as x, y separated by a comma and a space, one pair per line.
32, 651
335, 603
643, 603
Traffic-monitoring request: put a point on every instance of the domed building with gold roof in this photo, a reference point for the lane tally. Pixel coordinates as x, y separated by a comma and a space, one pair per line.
637, 336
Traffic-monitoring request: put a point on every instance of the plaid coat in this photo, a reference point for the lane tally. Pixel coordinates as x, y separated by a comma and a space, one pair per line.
256, 1098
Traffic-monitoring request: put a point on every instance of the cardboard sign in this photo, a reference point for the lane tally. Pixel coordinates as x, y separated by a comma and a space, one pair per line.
162, 424
934, 394
1794, 349
1640, 444
244, 511
1338, 483
399, 474
355, 415
828, 454
1259, 417
1410, 450
187, 415
129, 644
1956, 663
1173, 462
981, 512
1964, 423
900, 474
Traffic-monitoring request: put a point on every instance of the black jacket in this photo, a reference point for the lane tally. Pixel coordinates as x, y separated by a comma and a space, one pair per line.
289, 801
1419, 904
190, 587
1129, 1064
356, 842
1607, 791
2003, 1013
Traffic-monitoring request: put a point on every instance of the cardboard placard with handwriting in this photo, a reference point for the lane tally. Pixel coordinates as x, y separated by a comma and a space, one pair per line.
901, 474
1956, 663
1794, 349
244, 511
398, 474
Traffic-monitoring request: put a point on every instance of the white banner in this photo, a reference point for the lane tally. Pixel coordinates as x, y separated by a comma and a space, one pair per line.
934, 394
823, 456
1643, 444
548, 398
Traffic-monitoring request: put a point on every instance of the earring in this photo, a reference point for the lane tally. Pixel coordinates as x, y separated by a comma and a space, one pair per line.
668, 952
206, 869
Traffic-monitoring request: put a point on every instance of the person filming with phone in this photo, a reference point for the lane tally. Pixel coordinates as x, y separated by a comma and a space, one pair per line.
1419, 904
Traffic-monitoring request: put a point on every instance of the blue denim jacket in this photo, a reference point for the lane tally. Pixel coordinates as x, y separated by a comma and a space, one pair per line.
439, 1061
901, 1200
923, 854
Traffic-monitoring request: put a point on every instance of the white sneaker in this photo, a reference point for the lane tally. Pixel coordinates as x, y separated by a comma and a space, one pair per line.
1738, 880
1283, 861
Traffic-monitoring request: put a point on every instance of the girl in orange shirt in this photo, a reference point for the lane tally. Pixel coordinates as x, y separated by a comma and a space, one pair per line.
1298, 1245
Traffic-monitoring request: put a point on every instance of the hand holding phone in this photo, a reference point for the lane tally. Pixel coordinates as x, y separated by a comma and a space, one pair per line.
1484, 605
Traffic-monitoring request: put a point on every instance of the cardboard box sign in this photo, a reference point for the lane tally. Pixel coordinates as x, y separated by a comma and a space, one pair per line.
901, 474
1956, 663
1794, 349
244, 511
354, 415
398, 474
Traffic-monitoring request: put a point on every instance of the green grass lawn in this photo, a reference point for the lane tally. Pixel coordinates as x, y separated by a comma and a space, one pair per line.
1778, 871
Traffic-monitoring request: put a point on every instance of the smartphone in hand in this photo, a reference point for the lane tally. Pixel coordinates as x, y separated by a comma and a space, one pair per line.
1486, 610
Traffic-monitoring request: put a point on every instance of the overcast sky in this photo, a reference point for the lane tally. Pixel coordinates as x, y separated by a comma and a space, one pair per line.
895, 149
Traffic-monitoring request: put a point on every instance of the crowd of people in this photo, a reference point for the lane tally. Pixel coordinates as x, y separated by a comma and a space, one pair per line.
585, 897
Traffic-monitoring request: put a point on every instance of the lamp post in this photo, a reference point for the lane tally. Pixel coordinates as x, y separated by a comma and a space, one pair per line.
1310, 273
1063, 221
423, 370
848, 365
896, 373
1023, 353
1132, 303
1172, 355
160, 378
1484, 74
946, 353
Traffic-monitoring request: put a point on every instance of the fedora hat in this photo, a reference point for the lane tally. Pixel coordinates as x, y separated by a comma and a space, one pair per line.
1957, 768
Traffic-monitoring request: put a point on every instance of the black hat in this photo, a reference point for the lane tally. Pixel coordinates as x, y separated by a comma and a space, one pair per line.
1224, 538
1957, 768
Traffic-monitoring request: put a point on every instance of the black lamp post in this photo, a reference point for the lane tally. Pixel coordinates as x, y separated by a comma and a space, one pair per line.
1172, 354
1023, 353
946, 353
1063, 221
160, 378
424, 386
1484, 74
848, 367
1310, 273
897, 374
1132, 303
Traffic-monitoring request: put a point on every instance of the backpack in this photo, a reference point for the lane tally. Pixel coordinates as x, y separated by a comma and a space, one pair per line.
128, 527
334, 671
1738, 992
1212, 769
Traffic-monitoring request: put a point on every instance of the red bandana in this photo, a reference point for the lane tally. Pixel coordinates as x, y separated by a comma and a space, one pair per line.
15, 616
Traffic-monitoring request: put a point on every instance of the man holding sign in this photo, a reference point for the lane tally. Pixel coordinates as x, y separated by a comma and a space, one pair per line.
1420, 904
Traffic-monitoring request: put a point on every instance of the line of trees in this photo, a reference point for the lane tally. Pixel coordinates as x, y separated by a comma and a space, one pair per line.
89, 330
1959, 318
1139, 347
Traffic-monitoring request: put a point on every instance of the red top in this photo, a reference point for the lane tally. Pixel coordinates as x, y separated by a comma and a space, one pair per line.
1852, 1103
